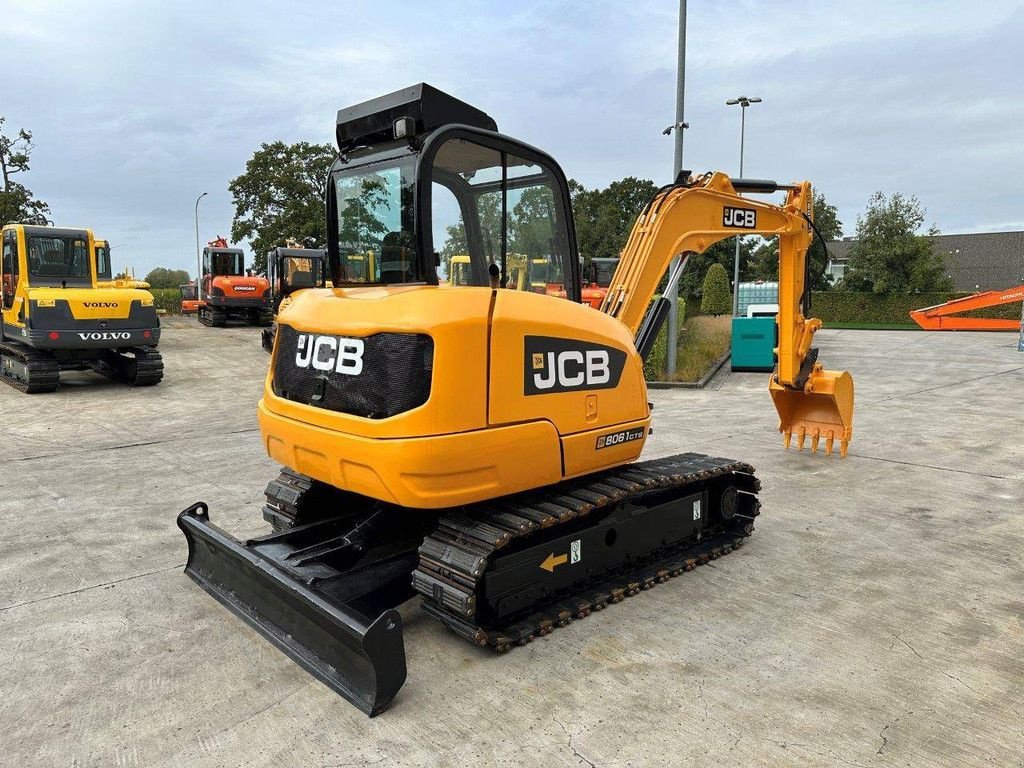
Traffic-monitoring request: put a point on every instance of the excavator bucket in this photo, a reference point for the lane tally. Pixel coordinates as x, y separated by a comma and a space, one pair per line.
822, 410
315, 614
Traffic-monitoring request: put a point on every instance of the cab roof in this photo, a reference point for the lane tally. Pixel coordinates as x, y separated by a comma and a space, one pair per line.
373, 121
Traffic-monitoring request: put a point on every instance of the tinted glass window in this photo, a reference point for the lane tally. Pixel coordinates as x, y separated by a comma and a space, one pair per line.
300, 272
466, 170
536, 249
226, 263
510, 215
376, 233
103, 262
449, 231
58, 257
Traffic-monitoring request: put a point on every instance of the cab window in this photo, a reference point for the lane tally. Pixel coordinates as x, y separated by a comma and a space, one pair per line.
103, 262
491, 207
301, 272
58, 257
375, 224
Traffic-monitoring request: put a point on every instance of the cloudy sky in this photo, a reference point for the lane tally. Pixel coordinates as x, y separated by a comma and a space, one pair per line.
138, 106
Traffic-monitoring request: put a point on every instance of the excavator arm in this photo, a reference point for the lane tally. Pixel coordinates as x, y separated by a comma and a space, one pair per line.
689, 218
942, 317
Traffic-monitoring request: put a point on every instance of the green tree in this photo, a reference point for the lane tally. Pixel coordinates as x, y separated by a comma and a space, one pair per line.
167, 278
717, 298
531, 221
826, 219
280, 196
764, 260
17, 203
363, 208
605, 217
691, 282
890, 254
489, 211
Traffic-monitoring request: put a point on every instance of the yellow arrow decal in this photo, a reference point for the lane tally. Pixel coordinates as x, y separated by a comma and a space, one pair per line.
552, 561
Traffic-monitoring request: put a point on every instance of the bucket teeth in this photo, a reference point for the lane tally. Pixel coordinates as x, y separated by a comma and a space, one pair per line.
787, 437
823, 409
843, 445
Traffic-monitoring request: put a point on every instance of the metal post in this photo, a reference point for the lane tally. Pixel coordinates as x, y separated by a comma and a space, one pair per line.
680, 126
1020, 341
744, 102
199, 263
736, 259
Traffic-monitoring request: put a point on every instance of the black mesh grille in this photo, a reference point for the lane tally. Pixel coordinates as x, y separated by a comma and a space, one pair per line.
395, 375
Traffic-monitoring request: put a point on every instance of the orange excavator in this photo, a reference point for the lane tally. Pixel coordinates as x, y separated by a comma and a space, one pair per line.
945, 317
597, 276
189, 298
227, 292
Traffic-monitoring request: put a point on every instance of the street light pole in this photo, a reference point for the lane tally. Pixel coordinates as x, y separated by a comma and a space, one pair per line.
199, 263
678, 127
744, 102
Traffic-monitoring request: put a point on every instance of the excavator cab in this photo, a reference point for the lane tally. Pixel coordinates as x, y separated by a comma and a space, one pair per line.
419, 174
458, 269
293, 269
289, 270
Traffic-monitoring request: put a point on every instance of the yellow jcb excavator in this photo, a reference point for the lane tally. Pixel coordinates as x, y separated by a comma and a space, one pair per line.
477, 443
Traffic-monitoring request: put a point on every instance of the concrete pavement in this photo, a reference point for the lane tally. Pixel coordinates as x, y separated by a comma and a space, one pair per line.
876, 618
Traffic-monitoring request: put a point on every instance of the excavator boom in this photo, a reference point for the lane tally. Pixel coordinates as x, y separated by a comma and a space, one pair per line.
942, 317
691, 216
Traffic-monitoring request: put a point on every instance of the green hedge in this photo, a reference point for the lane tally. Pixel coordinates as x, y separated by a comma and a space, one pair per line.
833, 307
168, 299
837, 308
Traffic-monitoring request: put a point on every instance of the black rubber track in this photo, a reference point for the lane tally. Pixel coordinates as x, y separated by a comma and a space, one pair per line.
43, 368
454, 559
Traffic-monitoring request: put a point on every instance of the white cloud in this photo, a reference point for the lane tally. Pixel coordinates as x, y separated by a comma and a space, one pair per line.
137, 107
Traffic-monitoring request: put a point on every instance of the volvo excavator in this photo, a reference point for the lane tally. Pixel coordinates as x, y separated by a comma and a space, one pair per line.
476, 444
55, 318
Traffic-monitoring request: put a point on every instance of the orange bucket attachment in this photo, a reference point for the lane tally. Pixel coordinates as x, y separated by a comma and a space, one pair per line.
823, 409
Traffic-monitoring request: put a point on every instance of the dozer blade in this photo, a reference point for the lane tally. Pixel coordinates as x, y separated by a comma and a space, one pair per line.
306, 608
822, 410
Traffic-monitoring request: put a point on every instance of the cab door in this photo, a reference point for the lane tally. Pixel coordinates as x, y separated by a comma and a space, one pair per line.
9, 275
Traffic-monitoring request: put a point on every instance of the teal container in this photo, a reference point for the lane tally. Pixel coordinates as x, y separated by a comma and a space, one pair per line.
753, 344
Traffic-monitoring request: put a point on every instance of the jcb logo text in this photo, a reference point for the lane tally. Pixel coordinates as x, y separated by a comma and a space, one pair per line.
745, 218
330, 353
566, 365
573, 369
